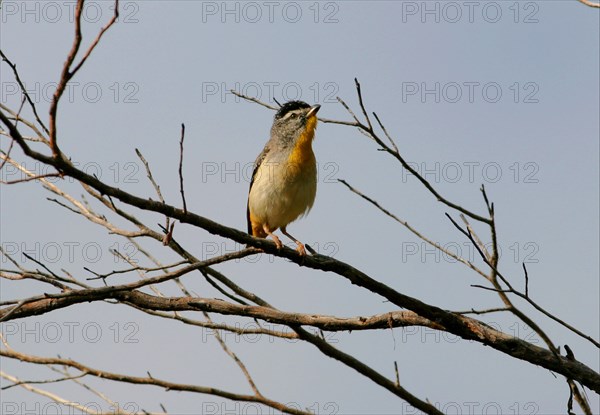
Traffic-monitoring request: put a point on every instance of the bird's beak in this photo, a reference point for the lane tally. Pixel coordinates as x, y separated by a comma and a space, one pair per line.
313, 110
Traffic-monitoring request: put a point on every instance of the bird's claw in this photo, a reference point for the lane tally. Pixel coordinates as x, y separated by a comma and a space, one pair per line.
278, 243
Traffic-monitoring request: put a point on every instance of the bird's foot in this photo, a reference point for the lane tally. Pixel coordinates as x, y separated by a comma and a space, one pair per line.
300, 248
277, 241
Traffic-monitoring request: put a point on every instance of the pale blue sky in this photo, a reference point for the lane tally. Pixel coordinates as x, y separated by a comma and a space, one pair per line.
535, 149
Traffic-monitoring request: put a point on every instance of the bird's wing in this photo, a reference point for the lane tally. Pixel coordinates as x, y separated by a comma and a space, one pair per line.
257, 164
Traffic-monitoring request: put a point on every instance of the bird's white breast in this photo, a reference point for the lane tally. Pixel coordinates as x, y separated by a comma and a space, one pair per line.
282, 192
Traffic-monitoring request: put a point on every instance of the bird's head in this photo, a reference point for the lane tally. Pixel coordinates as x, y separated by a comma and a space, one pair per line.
295, 121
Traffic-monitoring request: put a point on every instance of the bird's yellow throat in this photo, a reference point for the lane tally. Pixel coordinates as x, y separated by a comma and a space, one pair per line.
302, 152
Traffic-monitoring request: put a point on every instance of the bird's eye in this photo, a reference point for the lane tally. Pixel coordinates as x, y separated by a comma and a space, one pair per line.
293, 115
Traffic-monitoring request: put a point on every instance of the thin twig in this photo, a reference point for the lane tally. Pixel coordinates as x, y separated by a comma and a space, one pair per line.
24, 90
49, 395
137, 268
150, 381
97, 39
472, 232
526, 280
235, 358
32, 126
362, 105
149, 175
154, 184
389, 137
41, 382
412, 229
487, 311
28, 179
512, 290
252, 99
181, 167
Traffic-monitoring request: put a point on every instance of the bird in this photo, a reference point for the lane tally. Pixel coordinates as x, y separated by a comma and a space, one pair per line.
284, 179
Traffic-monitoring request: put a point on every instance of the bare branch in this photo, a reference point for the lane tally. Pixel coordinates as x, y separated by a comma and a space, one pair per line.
149, 381
452, 322
47, 394
367, 371
67, 73
97, 39
412, 229
511, 290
